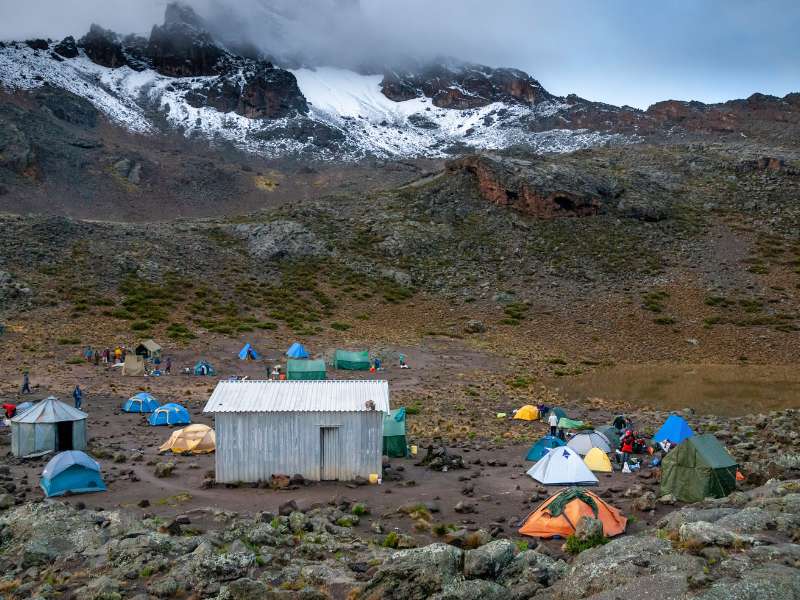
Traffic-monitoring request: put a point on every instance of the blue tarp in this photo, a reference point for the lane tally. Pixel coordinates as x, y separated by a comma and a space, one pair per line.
543, 446
248, 353
170, 414
141, 403
71, 471
297, 350
675, 429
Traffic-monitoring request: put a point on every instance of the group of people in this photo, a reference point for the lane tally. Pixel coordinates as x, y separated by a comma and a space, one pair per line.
107, 356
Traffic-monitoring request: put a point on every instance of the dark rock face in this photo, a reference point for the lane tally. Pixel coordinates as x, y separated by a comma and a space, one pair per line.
67, 107
263, 92
180, 49
535, 188
463, 87
103, 47
37, 44
67, 47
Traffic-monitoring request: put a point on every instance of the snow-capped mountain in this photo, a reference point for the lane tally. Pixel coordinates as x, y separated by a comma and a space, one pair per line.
183, 78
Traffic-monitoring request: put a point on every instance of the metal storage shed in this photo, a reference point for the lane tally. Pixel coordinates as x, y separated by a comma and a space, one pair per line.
49, 426
322, 430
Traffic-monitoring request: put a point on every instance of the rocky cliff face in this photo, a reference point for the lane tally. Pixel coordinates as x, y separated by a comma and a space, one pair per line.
463, 86
537, 188
182, 47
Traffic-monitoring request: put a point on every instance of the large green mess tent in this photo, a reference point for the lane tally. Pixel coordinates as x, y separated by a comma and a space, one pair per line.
305, 370
352, 361
699, 467
394, 434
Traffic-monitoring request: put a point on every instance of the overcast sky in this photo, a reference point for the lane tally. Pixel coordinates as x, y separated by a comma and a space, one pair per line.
619, 51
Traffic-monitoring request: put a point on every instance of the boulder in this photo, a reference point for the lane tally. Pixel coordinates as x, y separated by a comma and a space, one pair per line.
474, 326
164, 469
699, 534
246, 589
645, 502
487, 561
415, 574
472, 590
588, 528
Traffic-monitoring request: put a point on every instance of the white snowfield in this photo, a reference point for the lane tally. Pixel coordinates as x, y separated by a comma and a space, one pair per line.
349, 103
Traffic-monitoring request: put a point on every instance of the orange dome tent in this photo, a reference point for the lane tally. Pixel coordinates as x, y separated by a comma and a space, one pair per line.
197, 439
527, 413
560, 513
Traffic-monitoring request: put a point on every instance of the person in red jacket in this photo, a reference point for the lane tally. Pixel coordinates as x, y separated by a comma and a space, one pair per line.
10, 410
626, 445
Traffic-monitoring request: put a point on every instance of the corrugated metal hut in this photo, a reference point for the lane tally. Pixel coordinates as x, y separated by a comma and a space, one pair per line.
322, 430
49, 426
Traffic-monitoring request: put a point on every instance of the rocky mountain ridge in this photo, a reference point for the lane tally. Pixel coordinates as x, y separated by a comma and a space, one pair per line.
182, 78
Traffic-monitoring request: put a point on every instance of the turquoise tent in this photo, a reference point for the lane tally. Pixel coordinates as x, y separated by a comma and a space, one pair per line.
248, 353
675, 429
305, 370
543, 446
394, 434
204, 367
71, 471
170, 414
141, 403
353, 361
297, 350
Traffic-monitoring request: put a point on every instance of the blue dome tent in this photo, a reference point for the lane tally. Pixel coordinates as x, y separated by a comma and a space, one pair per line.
170, 414
71, 471
543, 446
297, 350
141, 403
675, 429
248, 353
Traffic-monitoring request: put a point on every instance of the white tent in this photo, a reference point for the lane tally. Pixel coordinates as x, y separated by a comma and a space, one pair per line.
562, 466
586, 440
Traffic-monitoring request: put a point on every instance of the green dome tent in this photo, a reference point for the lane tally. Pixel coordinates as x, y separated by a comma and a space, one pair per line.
698, 468
394, 434
352, 361
298, 369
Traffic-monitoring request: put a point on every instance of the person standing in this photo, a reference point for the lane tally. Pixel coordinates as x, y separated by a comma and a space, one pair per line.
626, 445
96, 358
77, 396
552, 420
168, 365
26, 383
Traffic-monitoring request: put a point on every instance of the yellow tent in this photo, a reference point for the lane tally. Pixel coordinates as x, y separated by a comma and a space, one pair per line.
197, 439
597, 460
527, 413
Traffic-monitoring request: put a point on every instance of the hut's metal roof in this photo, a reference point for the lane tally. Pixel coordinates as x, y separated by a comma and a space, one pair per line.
298, 396
50, 410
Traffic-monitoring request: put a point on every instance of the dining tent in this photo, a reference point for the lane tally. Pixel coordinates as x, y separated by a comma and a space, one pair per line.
305, 370
562, 466
698, 468
352, 361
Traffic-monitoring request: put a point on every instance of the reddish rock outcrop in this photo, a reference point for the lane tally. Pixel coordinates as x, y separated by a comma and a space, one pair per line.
538, 189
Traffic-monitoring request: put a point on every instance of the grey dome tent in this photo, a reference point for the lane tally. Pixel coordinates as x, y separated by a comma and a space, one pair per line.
586, 440
49, 426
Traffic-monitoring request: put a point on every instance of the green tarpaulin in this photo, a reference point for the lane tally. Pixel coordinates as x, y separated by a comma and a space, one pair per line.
394, 434
353, 361
565, 423
698, 468
300, 370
